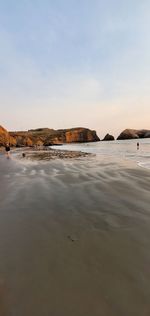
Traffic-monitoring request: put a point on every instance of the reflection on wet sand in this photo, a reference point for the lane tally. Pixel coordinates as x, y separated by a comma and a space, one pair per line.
3, 299
74, 238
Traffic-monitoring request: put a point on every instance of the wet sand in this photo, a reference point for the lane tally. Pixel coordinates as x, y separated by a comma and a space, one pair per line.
74, 238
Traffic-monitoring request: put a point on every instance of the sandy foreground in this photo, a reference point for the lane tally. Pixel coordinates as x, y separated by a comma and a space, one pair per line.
74, 237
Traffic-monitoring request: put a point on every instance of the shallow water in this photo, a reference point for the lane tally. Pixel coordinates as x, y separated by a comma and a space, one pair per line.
75, 237
126, 149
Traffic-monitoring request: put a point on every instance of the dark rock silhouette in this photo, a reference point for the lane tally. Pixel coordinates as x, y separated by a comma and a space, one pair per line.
134, 134
108, 137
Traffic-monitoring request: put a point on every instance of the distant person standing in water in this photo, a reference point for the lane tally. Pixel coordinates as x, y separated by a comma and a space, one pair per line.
138, 145
7, 149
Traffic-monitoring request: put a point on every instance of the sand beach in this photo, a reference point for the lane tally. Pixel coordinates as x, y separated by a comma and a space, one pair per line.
74, 237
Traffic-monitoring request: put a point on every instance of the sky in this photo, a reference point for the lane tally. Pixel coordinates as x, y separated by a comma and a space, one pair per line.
69, 63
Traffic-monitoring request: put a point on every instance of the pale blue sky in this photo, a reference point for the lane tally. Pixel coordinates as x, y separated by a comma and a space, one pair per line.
75, 63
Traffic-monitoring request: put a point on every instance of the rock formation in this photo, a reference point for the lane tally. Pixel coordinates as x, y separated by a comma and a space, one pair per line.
74, 135
108, 137
47, 137
133, 134
50, 154
6, 138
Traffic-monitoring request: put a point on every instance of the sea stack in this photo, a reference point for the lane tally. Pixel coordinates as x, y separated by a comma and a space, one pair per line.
108, 137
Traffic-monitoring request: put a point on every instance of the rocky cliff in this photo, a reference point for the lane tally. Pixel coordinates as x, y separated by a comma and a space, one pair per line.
46, 136
5, 137
133, 134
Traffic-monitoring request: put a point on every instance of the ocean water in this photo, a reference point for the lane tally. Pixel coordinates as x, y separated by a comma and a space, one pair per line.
75, 233
125, 150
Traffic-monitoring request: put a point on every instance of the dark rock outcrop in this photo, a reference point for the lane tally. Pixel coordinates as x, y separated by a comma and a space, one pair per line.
108, 137
49, 154
47, 137
134, 134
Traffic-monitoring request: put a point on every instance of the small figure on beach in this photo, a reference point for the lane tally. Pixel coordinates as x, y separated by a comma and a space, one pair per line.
7, 149
138, 146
